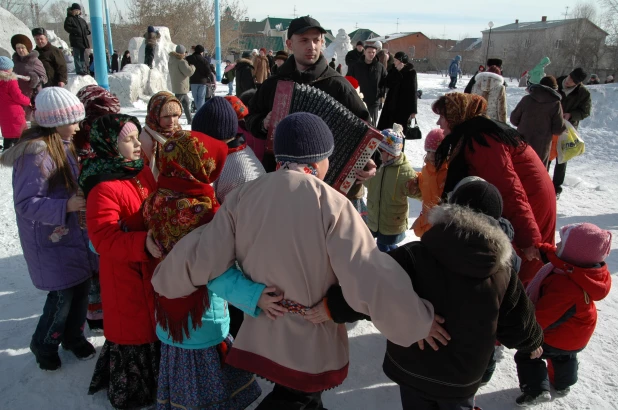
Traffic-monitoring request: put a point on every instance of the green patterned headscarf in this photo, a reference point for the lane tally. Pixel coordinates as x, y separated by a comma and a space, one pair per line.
108, 164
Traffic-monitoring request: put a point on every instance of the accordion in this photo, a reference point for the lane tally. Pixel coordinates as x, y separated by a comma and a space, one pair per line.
355, 140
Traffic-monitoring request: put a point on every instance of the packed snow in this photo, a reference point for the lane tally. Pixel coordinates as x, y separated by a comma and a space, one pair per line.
589, 195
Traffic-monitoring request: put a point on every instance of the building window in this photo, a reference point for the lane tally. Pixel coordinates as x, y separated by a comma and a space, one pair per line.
527, 43
558, 44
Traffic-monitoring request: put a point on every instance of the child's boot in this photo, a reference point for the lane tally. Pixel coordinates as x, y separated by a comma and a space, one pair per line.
47, 359
83, 349
529, 399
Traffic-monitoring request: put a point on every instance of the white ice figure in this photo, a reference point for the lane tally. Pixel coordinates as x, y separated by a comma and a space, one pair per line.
56, 41
134, 44
9, 26
338, 50
130, 84
161, 55
77, 82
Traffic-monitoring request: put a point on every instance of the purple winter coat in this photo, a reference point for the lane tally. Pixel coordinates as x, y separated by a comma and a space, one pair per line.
55, 247
32, 67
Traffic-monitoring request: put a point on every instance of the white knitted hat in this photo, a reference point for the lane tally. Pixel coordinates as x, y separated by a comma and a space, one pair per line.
55, 106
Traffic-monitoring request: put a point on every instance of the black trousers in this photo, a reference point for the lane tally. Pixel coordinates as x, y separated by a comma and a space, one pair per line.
453, 82
412, 399
149, 55
532, 373
284, 398
559, 174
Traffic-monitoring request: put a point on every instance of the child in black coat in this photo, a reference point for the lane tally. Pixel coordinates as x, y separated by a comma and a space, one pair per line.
463, 265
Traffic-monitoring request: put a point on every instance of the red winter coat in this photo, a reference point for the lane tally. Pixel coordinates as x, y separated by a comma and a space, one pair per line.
125, 272
12, 114
527, 192
566, 309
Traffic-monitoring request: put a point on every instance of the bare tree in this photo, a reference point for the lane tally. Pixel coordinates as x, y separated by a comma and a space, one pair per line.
190, 28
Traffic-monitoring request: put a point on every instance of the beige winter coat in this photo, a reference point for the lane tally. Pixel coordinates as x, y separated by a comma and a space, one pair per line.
180, 71
262, 69
293, 231
490, 86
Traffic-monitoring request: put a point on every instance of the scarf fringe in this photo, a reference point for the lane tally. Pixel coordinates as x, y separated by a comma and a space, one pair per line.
173, 314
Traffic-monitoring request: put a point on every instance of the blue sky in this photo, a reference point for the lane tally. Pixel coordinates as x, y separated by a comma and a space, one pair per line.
455, 18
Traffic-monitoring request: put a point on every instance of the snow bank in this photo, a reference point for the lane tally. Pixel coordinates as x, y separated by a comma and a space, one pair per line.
9, 26
130, 84
338, 50
78, 82
604, 102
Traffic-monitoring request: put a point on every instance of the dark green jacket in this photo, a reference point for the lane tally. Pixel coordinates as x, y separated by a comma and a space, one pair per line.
578, 103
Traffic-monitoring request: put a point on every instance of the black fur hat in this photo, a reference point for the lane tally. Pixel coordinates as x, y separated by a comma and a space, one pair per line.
494, 61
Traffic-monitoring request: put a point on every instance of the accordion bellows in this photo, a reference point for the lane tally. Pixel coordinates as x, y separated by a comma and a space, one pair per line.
355, 140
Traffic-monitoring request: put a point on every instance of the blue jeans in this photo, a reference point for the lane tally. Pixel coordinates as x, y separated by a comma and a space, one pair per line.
63, 318
230, 87
80, 63
387, 243
199, 95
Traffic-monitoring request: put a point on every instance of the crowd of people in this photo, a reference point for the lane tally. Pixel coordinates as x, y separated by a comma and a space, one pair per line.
147, 231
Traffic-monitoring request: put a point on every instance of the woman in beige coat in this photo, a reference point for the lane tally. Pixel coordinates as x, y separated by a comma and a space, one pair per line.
490, 86
262, 68
289, 229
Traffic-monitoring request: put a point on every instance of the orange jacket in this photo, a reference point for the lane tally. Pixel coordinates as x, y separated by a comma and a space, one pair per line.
431, 185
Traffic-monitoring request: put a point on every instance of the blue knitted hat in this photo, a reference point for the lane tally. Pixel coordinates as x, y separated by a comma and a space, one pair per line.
217, 119
6, 63
303, 138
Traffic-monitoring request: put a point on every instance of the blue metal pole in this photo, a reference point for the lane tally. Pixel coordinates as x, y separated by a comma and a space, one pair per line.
217, 40
98, 43
110, 43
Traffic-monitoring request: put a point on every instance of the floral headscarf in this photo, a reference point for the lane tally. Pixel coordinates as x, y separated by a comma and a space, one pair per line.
241, 109
155, 105
108, 164
461, 107
184, 200
97, 102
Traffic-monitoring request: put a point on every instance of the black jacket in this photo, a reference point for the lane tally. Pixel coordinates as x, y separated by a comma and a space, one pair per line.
202, 69
371, 79
354, 56
125, 60
245, 79
401, 98
114, 62
578, 103
462, 265
320, 76
78, 30
54, 63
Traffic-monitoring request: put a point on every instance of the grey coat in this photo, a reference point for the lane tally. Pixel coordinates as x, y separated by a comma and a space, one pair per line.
180, 72
32, 67
538, 117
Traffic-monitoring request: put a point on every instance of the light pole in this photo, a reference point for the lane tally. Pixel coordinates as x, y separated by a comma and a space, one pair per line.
491, 24
217, 41
98, 43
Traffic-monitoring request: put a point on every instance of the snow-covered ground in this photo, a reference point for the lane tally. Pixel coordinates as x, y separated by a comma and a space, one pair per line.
589, 195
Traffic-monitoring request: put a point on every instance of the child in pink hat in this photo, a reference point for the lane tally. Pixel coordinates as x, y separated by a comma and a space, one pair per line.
564, 292
429, 183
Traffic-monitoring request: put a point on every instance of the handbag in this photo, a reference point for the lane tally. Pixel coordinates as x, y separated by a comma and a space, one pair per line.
413, 132
225, 81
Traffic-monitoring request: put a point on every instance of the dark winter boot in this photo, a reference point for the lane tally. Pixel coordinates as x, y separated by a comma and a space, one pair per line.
527, 399
83, 350
47, 360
